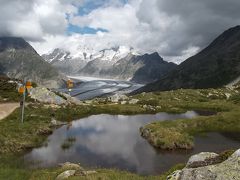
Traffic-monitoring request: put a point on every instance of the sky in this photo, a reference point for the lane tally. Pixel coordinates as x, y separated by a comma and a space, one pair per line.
176, 29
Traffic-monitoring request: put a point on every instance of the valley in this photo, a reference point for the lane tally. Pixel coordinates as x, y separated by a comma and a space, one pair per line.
128, 115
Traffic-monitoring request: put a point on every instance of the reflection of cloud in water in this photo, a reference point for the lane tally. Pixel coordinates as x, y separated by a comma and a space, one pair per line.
108, 140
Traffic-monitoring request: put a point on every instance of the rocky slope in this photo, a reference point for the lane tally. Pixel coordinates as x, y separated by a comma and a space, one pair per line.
19, 60
215, 66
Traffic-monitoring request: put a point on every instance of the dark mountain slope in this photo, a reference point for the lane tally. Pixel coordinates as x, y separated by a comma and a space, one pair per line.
215, 66
19, 60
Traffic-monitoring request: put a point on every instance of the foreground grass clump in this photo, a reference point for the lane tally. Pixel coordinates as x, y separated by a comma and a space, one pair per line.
13, 168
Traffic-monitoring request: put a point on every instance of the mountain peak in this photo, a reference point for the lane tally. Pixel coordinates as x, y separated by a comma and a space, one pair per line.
215, 66
13, 43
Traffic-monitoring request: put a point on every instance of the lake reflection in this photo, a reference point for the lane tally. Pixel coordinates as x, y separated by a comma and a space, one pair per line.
113, 141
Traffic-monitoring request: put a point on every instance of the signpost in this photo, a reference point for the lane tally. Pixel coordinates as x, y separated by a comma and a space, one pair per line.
69, 85
22, 90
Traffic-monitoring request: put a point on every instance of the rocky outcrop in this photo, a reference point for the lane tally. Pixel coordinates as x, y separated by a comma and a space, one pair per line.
44, 95
71, 169
226, 170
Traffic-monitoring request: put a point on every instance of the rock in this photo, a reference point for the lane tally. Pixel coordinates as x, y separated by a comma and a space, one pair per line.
175, 176
72, 100
228, 95
85, 173
117, 97
123, 102
202, 159
55, 123
145, 106
69, 165
133, 101
43, 95
226, 170
66, 174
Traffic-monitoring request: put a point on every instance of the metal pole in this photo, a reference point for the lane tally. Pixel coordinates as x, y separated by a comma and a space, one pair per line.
23, 103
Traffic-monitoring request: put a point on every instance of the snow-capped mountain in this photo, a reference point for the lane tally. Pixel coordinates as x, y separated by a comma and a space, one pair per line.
72, 62
57, 55
117, 63
112, 54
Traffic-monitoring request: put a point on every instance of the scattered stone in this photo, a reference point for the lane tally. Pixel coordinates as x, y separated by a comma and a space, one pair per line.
228, 95
66, 174
117, 97
55, 123
133, 101
73, 169
123, 102
69, 165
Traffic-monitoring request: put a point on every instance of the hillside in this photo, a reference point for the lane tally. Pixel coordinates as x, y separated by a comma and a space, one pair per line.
215, 66
19, 60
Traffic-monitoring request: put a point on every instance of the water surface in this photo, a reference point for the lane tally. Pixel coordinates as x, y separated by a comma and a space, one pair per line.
114, 141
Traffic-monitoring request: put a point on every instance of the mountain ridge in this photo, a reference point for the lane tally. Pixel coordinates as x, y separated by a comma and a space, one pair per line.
215, 66
18, 59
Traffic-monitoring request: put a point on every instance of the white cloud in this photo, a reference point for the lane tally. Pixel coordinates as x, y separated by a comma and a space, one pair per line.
176, 29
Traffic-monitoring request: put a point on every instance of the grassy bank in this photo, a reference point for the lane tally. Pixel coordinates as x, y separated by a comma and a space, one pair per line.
180, 134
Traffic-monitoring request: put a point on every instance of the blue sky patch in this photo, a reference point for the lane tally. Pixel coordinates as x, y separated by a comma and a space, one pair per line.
91, 5
83, 30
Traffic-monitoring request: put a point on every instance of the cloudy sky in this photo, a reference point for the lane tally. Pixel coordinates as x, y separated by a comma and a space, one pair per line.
176, 29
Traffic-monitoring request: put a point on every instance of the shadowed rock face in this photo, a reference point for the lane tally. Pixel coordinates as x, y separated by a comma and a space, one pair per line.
19, 60
215, 66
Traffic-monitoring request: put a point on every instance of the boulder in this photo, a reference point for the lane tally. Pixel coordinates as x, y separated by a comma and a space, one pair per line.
202, 159
66, 174
43, 95
226, 170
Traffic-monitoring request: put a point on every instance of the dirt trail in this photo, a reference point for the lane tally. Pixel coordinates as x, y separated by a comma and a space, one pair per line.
6, 109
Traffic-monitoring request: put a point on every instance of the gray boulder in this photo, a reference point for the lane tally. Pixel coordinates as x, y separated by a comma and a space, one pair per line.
202, 159
66, 174
226, 170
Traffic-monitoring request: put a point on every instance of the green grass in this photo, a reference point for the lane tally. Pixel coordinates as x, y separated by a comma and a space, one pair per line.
180, 134
17, 138
13, 168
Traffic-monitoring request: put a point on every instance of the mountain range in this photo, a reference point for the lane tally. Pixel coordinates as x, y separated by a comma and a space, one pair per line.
117, 63
215, 66
19, 60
